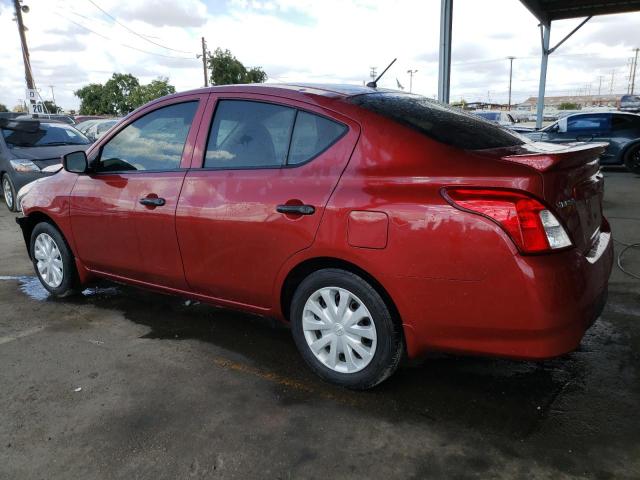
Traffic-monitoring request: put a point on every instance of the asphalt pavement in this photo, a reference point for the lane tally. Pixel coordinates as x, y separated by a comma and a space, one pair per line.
122, 383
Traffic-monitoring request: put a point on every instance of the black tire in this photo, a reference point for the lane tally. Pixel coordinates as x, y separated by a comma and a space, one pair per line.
632, 159
389, 341
69, 285
8, 194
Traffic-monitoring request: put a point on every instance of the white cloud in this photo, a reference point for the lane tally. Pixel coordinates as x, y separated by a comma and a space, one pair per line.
309, 40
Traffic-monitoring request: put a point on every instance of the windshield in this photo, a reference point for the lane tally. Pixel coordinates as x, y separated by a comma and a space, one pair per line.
441, 122
47, 134
489, 115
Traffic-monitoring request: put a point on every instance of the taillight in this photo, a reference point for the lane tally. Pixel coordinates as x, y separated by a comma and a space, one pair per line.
531, 226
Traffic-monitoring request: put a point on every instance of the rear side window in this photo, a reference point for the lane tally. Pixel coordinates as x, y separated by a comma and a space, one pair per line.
249, 134
152, 142
622, 122
438, 121
312, 135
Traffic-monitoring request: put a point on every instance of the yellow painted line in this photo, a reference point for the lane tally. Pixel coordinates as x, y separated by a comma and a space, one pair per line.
16, 336
279, 379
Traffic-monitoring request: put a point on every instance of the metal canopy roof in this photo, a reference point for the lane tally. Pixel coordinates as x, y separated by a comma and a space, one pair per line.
549, 10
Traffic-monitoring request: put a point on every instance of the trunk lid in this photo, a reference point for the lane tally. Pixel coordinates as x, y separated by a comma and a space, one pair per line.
573, 185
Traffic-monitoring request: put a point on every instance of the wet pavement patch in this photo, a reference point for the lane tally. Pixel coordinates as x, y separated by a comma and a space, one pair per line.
557, 404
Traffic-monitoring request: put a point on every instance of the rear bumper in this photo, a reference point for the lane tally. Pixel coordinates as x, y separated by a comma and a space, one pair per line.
539, 308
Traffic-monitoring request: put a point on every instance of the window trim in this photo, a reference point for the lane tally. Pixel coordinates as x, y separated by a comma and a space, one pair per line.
98, 155
284, 165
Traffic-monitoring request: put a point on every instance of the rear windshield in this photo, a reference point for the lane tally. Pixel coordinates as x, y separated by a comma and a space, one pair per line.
438, 121
42, 135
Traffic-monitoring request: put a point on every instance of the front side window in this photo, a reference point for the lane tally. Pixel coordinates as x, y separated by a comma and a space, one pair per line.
152, 142
584, 123
247, 134
312, 135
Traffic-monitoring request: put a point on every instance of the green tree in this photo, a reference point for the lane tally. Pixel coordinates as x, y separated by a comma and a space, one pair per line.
93, 100
51, 107
227, 70
569, 106
118, 93
121, 94
146, 93
3, 108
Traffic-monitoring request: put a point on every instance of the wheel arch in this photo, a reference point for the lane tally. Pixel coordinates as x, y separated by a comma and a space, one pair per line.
627, 147
310, 265
28, 223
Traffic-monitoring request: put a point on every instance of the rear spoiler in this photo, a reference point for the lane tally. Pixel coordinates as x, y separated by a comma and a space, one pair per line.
572, 156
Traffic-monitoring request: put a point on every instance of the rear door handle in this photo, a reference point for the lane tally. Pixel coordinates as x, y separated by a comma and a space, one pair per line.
152, 201
296, 209
584, 138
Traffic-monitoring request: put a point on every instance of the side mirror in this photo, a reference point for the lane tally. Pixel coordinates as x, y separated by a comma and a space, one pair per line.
75, 162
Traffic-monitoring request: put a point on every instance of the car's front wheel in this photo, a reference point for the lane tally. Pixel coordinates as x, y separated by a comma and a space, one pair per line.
53, 261
344, 329
632, 159
9, 193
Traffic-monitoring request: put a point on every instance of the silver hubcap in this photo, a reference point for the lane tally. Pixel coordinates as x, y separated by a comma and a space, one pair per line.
339, 330
49, 260
8, 194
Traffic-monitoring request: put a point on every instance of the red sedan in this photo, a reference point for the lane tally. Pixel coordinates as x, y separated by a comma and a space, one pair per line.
377, 223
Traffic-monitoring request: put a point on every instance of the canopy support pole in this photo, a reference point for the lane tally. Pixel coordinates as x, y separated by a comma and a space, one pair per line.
444, 64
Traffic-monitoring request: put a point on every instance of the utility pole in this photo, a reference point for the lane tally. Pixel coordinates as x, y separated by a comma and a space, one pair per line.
23, 41
510, 77
373, 73
53, 96
613, 74
411, 72
633, 72
599, 84
204, 61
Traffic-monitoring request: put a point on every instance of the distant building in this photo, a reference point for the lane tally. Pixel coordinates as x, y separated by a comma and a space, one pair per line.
582, 101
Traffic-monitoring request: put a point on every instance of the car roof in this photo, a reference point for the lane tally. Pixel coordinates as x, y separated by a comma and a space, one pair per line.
294, 91
609, 112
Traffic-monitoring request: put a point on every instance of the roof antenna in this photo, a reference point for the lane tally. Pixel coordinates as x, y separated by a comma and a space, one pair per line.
374, 84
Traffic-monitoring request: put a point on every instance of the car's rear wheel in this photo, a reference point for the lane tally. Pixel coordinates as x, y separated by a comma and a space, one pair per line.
53, 261
632, 159
9, 193
344, 329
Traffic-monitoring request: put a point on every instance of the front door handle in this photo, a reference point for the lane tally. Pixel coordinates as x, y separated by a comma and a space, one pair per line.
152, 201
296, 209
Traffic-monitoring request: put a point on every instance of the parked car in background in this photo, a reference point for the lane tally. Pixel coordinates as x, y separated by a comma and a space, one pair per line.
48, 117
83, 118
504, 119
98, 128
620, 130
630, 103
377, 223
84, 126
501, 118
28, 151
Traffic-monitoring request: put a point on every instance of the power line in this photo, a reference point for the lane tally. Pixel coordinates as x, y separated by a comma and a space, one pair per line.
133, 31
119, 43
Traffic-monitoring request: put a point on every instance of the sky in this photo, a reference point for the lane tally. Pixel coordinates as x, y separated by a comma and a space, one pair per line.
74, 43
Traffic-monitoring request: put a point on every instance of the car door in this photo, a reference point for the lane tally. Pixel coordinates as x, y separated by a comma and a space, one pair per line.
123, 212
257, 193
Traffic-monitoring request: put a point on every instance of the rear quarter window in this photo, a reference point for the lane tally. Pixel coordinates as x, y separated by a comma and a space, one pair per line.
440, 122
